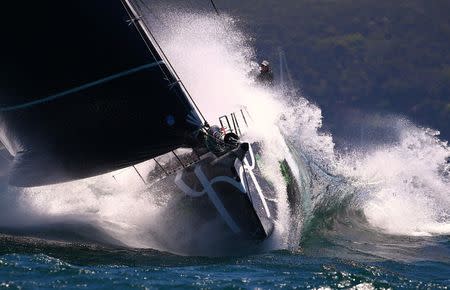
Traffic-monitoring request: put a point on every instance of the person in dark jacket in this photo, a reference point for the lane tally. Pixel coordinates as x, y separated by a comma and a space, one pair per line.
265, 76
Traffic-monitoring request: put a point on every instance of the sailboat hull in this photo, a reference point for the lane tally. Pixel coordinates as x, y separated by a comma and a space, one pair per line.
227, 190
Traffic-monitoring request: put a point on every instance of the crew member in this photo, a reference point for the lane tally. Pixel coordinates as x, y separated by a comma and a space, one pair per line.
215, 140
265, 76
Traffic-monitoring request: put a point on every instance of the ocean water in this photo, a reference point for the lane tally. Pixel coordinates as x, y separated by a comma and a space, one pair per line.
373, 216
30, 264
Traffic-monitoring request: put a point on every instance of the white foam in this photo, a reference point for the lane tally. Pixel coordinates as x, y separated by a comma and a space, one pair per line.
406, 191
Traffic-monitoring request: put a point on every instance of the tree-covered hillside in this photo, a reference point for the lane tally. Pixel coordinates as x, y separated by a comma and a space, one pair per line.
379, 55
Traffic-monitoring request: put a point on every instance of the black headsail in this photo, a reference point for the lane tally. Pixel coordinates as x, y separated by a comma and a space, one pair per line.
83, 92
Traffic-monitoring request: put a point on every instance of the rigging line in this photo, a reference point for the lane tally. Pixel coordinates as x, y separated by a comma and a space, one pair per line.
169, 64
80, 88
288, 72
215, 7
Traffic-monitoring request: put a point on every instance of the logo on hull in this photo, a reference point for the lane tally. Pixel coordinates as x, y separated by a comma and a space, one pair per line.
207, 184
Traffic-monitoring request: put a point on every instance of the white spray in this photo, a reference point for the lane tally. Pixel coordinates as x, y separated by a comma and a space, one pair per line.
405, 184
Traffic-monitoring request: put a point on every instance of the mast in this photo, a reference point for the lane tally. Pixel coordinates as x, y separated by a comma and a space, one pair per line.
157, 52
215, 7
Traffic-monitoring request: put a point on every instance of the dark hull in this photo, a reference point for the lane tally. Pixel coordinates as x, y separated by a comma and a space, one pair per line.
216, 191
81, 93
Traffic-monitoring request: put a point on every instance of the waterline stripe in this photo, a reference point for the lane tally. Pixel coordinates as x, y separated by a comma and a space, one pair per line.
81, 88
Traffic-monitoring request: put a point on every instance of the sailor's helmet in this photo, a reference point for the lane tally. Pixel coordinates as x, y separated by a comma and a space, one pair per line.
215, 131
265, 63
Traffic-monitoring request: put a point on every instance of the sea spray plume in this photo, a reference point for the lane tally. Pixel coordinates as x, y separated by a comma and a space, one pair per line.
99, 204
301, 124
216, 62
404, 185
212, 58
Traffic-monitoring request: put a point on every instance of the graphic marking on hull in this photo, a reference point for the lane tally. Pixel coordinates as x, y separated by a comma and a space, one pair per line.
212, 194
242, 167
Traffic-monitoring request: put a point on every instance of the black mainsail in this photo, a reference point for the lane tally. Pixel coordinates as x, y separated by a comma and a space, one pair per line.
83, 92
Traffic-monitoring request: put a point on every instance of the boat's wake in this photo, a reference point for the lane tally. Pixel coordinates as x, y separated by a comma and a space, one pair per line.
347, 199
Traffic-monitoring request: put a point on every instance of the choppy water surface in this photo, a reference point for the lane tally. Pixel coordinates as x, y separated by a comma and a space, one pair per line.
29, 264
370, 216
